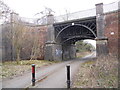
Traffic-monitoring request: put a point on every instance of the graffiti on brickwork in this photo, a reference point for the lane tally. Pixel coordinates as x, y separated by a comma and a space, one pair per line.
58, 52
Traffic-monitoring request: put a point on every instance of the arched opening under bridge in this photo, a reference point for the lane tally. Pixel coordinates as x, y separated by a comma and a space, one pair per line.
69, 35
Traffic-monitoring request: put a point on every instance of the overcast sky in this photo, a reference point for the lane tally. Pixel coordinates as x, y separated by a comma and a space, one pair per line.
28, 8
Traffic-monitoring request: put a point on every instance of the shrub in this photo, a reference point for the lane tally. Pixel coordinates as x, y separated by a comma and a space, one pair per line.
105, 72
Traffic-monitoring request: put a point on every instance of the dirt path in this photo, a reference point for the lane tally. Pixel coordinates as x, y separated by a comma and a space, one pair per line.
25, 80
53, 76
58, 78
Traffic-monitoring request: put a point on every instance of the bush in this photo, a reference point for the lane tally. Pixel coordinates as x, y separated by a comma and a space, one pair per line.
105, 72
100, 73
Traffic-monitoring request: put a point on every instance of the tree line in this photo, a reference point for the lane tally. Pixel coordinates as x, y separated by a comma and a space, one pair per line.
20, 40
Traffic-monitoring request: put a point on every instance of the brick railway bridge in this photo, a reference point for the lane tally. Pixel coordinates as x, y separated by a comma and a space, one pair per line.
101, 24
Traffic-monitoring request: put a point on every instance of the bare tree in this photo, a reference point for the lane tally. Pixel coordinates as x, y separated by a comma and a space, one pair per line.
4, 18
18, 34
43, 15
35, 45
21, 37
67, 15
4, 11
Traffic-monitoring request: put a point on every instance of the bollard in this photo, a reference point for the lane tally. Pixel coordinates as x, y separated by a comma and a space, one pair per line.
68, 76
33, 74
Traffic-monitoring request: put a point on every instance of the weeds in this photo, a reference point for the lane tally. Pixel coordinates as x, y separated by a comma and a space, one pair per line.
100, 73
13, 68
106, 72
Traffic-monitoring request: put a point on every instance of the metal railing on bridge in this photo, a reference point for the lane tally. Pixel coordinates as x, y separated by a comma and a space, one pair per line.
71, 16
87, 13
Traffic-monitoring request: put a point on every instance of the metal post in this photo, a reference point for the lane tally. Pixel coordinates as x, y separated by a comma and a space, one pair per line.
68, 76
33, 74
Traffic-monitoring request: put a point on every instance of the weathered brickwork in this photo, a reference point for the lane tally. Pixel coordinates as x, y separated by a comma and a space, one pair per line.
42, 37
111, 31
119, 35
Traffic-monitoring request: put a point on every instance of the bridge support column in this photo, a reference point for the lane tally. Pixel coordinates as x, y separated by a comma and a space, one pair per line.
101, 40
69, 52
101, 46
52, 50
72, 51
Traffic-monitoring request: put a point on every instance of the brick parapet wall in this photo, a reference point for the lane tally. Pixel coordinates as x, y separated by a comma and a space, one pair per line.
119, 34
111, 31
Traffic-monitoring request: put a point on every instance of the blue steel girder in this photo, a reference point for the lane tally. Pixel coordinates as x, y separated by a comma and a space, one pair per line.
74, 39
85, 29
76, 25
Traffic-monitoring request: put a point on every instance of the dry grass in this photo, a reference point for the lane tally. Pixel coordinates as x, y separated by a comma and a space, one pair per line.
12, 68
101, 73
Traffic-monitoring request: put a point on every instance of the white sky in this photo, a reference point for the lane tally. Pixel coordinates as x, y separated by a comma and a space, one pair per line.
93, 42
28, 8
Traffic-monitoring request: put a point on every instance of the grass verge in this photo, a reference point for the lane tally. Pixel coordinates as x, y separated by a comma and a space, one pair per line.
12, 68
100, 73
